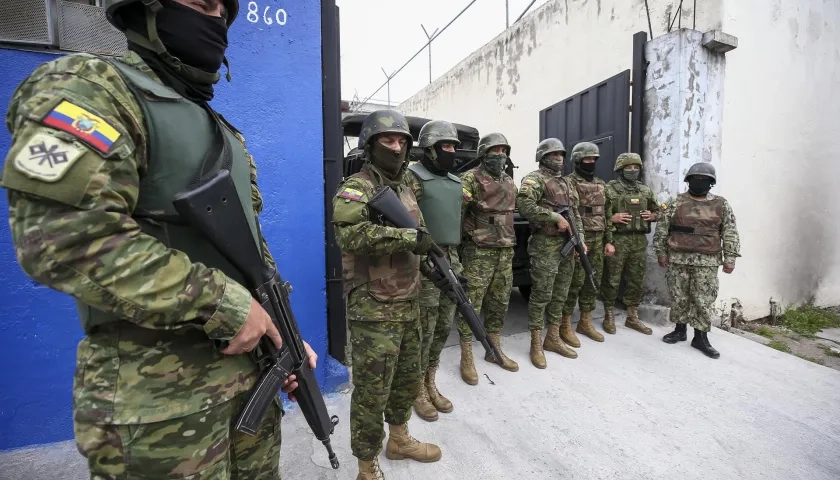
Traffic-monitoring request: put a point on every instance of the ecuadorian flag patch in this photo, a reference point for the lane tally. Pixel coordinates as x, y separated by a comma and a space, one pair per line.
82, 124
635, 201
467, 194
351, 193
528, 181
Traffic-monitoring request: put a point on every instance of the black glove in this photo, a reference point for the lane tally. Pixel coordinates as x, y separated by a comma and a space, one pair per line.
440, 281
462, 280
424, 243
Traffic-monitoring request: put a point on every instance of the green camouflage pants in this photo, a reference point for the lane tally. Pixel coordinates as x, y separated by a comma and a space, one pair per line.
581, 291
200, 446
489, 272
436, 312
551, 275
693, 291
629, 262
386, 376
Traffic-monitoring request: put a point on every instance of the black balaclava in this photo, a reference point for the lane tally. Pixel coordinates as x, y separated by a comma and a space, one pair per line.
699, 186
586, 170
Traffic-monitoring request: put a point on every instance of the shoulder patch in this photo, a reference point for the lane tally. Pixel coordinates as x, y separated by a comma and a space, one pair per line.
351, 194
82, 124
47, 158
528, 181
663, 207
466, 193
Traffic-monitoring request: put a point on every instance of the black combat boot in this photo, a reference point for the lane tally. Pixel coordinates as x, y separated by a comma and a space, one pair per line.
678, 335
701, 342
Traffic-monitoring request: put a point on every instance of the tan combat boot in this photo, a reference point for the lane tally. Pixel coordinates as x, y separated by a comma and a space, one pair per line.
509, 364
634, 322
401, 445
468, 373
585, 327
369, 470
441, 403
609, 320
423, 406
566, 332
553, 343
537, 355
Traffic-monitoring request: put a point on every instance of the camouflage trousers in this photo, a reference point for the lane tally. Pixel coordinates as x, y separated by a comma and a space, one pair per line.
200, 446
436, 312
551, 275
630, 263
386, 376
694, 290
581, 291
489, 272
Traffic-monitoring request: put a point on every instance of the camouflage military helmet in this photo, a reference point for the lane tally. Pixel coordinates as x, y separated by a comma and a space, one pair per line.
549, 145
627, 159
114, 7
492, 140
438, 131
703, 169
583, 150
383, 121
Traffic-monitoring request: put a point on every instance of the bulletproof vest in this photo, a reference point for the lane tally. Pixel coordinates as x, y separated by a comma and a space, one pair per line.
555, 196
440, 204
180, 134
387, 278
489, 223
696, 225
634, 203
592, 201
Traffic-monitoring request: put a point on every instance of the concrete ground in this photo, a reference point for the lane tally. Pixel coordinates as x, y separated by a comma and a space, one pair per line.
630, 408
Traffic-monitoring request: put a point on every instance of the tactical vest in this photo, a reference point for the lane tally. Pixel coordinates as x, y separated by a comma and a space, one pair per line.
180, 134
696, 225
387, 278
440, 204
592, 201
555, 196
634, 203
489, 223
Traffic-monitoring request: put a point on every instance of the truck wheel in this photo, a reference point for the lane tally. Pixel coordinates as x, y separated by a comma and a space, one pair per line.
525, 290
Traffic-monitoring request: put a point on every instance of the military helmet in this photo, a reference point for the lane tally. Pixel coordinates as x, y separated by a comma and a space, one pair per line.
702, 168
583, 150
492, 140
437, 131
383, 121
627, 159
549, 145
112, 11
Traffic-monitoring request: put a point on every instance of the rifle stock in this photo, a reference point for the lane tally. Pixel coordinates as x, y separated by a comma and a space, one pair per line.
388, 206
214, 209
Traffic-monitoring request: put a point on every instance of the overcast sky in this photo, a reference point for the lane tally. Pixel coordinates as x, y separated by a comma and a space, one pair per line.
384, 34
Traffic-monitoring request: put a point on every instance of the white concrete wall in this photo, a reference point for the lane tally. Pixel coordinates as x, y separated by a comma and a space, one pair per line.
554, 52
781, 150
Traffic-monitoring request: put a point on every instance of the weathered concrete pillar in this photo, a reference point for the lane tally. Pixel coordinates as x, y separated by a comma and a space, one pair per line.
682, 118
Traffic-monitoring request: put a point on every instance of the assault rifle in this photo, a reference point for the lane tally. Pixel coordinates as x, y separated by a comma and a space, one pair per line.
214, 208
389, 208
574, 243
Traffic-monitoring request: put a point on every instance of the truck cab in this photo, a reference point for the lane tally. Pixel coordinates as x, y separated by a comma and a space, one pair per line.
465, 159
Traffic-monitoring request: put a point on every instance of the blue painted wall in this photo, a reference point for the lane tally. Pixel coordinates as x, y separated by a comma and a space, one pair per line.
275, 100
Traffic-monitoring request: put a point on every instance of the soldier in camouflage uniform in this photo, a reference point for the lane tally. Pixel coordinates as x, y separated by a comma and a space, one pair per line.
696, 233
438, 193
542, 193
590, 190
629, 207
91, 174
381, 267
487, 252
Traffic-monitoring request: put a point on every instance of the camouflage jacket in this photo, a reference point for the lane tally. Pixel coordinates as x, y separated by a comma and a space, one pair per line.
532, 203
75, 234
730, 238
616, 189
592, 199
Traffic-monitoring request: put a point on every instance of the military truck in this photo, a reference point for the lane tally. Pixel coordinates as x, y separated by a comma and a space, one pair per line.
465, 159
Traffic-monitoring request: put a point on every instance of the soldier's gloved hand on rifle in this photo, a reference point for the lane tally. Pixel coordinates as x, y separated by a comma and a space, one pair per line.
424, 243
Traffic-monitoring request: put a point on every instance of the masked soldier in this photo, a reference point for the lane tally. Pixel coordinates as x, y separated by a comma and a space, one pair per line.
382, 287
590, 190
438, 193
696, 233
487, 252
100, 145
629, 207
542, 194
